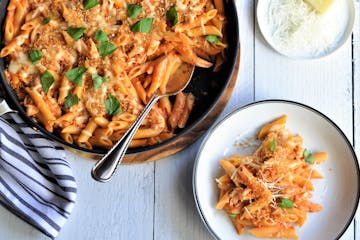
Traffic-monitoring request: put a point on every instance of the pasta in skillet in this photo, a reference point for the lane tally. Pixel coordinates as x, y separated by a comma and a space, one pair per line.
85, 69
269, 192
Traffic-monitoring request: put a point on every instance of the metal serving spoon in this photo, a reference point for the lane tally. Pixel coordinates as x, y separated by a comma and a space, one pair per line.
105, 168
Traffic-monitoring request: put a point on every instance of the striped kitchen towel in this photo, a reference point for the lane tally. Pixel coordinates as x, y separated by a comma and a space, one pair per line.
36, 181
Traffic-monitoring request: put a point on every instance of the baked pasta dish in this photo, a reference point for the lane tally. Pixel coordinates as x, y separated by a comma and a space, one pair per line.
269, 193
86, 69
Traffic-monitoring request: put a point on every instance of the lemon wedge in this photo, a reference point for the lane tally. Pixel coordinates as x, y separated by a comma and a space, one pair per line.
320, 5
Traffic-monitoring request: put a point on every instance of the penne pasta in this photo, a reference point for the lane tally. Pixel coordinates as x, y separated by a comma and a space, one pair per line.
268, 193
87, 73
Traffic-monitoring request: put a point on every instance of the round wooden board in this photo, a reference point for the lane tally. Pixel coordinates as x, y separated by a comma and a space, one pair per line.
191, 136
185, 140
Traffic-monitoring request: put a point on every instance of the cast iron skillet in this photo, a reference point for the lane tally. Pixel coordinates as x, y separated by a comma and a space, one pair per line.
206, 85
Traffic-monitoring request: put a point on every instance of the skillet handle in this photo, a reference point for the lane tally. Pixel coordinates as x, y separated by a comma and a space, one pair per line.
105, 168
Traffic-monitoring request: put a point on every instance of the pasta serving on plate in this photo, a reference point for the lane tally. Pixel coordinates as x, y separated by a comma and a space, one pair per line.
269, 192
85, 69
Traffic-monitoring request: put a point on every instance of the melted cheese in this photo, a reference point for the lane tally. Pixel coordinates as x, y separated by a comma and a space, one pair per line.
22, 62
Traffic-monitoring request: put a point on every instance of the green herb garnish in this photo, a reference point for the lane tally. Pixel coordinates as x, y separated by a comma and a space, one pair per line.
76, 33
35, 55
112, 105
71, 100
133, 10
172, 16
273, 145
76, 74
309, 157
212, 39
46, 20
106, 48
286, 203
98, 80
144, 25
100, 36
90, 4
233, 215
46, 81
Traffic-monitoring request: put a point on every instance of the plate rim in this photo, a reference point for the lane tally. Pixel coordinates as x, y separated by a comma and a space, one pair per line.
348, 31
261, 102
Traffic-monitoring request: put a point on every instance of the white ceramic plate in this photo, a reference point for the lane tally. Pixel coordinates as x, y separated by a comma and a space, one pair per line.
338, 192
347, 23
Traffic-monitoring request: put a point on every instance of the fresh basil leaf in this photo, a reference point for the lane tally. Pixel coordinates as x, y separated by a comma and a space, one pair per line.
172, 16
112, 105
90, 4
286, 203
106, 48
46, 81
309, 157
71, 100
76, 74
98, 80
233, 215
100, 36
144, 25
35, 55
76, 33
133, 10
46, 20
212, 39
273, 145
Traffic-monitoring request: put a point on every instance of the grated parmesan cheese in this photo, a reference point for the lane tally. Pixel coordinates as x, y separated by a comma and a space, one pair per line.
297, 30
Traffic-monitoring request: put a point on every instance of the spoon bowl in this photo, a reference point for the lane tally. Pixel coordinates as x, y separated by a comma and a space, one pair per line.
105, 168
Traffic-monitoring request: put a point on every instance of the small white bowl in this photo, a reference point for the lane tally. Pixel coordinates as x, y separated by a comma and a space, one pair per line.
337, 192
264, 26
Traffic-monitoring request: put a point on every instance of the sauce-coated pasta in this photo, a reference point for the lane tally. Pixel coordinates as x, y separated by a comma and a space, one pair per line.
85, 69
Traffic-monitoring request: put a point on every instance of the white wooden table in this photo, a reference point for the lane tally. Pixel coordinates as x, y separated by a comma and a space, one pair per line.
155, 200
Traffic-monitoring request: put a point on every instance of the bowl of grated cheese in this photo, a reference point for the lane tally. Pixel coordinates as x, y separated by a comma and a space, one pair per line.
306, 29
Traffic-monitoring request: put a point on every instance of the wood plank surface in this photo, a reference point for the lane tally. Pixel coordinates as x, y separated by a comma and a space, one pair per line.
356, 97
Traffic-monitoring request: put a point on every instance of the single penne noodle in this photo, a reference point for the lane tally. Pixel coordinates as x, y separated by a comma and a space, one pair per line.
165, 104
277, 123
177, 110
71, 130
101, 121
147, 132
206, 30
67, 137
219, 5
117, 135
189, 104
128, 117
158, 77
98, 141
138, 143
9, 28
188, 55
30, 25
46, 122
41, 105
103, 132
87, 132
140, 90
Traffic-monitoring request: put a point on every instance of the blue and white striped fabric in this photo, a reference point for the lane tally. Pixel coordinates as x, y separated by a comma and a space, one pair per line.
36, 181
